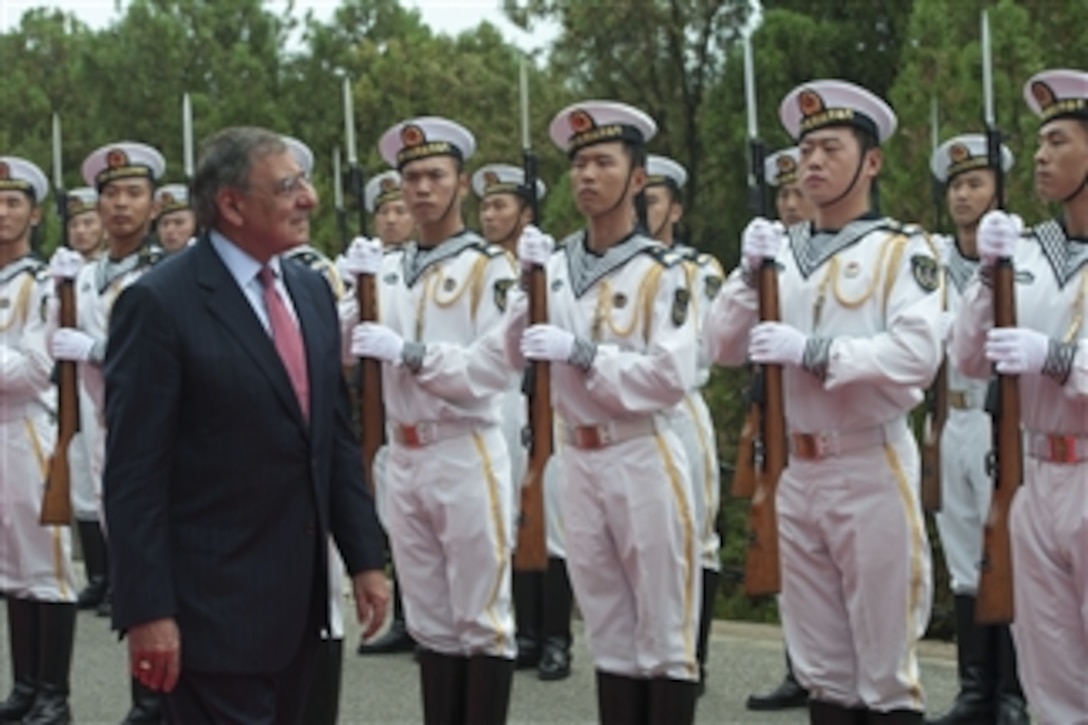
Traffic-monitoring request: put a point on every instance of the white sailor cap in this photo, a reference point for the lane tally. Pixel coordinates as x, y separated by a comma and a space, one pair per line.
172, 197
591, 122
504, 179
382, 188
17, 174
663, 171
81, 200
781, 167
964, 153
123, 160
823, 103
303, 154
1058, 93
423, 137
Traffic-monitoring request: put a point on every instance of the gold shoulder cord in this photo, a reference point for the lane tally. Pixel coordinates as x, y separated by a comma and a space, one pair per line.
22, 301
1078, 308
647, 291
432, 291
831, 279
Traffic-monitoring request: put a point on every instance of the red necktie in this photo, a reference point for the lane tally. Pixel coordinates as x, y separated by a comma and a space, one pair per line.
288, 339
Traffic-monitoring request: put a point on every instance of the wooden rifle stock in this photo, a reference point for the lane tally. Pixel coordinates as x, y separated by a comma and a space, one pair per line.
749, 449
936, 417
531, 553
57, 502
371, 405
995, 596
761, 566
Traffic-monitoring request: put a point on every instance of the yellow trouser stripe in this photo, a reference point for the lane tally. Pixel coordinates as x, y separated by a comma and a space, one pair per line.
688, 527
916, 580
502, 557
58, 545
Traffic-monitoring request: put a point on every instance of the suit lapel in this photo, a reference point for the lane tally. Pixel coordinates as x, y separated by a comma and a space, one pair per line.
227, 303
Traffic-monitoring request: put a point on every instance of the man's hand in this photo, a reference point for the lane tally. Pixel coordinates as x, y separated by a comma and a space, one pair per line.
534, 248
1017, 350
776, 343
371, 600
547, 342
71, 344
998, 234
364, 257
374, 340
154, 654
761, 240
65, 264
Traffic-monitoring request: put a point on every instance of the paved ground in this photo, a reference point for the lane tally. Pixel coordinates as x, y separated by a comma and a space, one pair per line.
743, 657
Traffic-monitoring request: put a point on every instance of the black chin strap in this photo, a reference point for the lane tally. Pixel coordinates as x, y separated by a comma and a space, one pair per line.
623, 194
510, 234
657, 232
853, 181
1079, 190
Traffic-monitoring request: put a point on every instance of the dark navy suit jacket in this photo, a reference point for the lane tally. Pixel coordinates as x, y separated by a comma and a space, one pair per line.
219, 497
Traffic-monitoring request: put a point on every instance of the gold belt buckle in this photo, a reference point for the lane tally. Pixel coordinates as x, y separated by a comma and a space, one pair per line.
806, 445
588, 436
1061, 449
957, 399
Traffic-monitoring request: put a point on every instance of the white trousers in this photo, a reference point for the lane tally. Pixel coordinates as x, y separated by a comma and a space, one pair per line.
35, 560
449, 520
694, 427
966, 490
632, 554
856, 578
1049, 530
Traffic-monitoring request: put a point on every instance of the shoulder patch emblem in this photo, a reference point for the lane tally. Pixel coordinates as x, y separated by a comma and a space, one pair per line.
680, 303
557, 284
502, 287
925, 271
713, 285
391, 278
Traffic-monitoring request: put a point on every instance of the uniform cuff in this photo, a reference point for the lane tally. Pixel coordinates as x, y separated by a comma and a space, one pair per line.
98, 352
412, 355
583, 354
1059, 361
817, 356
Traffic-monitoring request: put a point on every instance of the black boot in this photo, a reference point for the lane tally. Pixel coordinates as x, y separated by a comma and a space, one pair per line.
672, 702
23, 640
323, 694
622, 700
894, 717
56, 635
829, 713
105, 607
443, 681
397, 638
788, 694
488, 693
558, 599
975, 660
95, 564
706, 616
146, 705
1012, 708
527, 588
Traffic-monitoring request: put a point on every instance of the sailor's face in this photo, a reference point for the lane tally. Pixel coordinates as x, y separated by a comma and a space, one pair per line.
1061, 161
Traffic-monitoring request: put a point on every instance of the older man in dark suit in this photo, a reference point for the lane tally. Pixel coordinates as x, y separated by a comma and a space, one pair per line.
230, 454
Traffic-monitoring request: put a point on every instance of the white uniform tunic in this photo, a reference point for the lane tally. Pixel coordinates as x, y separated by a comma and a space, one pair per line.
449, 498
631, 536
966, 486
691, 418
97, 287
856, 583
1049, 520
35, 560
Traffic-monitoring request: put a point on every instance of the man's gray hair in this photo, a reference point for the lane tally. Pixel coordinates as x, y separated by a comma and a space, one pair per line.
225, 162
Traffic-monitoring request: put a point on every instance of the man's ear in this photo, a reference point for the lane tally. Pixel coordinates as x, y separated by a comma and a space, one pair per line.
676, 212
228, 205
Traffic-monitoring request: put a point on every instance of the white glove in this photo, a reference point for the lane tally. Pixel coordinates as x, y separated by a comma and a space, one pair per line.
71, 344
65, 263
547, 342
1017, 350
998, 233
364, 257
776, 343
373, 340
761, 240
534, 247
